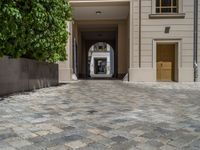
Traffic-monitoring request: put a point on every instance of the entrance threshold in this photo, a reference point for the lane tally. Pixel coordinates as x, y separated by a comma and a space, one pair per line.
102, 79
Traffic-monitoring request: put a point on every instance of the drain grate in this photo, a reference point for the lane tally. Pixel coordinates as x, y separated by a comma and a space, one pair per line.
92, 111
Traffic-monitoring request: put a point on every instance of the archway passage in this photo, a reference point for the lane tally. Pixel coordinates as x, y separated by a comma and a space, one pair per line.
100, 25
101, 61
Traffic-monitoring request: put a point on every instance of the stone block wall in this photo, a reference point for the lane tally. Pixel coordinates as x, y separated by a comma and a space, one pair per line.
19, 75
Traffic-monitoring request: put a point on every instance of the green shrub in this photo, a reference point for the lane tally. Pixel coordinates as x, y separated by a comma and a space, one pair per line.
34, 29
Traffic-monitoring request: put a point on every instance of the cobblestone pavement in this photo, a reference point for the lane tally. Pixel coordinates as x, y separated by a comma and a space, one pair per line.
98, 115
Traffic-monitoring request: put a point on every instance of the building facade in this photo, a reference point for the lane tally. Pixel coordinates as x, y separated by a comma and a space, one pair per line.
153, 40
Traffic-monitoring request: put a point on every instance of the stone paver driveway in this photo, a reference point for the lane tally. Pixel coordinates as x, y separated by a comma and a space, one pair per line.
98, 115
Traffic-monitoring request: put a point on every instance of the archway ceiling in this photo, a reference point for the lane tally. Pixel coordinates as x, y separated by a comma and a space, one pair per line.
99, 35
110, 11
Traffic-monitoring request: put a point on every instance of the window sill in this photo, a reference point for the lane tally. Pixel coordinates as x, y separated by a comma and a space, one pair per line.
167, 16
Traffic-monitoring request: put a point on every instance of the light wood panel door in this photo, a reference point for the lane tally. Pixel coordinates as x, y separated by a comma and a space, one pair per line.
165, 62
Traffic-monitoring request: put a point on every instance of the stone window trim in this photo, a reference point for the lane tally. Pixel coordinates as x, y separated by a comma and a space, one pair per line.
179, 15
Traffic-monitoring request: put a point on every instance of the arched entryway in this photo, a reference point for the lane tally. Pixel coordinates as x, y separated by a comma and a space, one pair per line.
101, 61
106, 30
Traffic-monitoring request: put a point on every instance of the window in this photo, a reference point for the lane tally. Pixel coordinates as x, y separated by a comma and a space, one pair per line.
166, 6
167, 9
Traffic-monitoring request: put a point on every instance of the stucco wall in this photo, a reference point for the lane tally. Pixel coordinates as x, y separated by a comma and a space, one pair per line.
65, 67
199, 39
152, 29
18, 75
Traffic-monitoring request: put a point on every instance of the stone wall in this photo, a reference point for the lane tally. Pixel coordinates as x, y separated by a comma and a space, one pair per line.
19, 75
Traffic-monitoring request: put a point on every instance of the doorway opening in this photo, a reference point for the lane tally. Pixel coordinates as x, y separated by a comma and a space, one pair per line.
167, 62
101, 61
100, 66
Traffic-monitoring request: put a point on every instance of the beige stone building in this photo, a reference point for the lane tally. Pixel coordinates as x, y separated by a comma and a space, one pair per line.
153, 40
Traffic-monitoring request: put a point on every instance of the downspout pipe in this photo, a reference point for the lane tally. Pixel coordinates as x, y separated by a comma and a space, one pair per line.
140, 32
195, 61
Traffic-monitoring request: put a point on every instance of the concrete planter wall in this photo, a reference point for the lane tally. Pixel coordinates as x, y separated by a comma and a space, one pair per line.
19, 75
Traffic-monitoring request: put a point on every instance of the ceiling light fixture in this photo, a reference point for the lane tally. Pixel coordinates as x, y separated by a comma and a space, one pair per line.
98, 12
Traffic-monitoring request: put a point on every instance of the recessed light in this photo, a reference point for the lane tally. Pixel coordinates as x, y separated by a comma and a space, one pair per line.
98, 12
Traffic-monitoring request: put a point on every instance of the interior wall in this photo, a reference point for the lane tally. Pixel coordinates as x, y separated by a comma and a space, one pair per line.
128, 42
122, 49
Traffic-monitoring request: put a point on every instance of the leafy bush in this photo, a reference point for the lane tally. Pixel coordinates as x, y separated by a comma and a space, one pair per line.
34, 29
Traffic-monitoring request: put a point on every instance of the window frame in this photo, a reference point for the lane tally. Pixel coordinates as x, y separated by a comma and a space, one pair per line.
178, 15
179, 8
171, 7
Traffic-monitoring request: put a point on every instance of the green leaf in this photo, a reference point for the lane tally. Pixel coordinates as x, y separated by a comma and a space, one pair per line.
34, 29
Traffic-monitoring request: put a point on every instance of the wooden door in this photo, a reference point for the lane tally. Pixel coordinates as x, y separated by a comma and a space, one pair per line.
165, 62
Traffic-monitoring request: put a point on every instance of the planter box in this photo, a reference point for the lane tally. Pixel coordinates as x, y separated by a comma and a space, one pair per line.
19, 75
